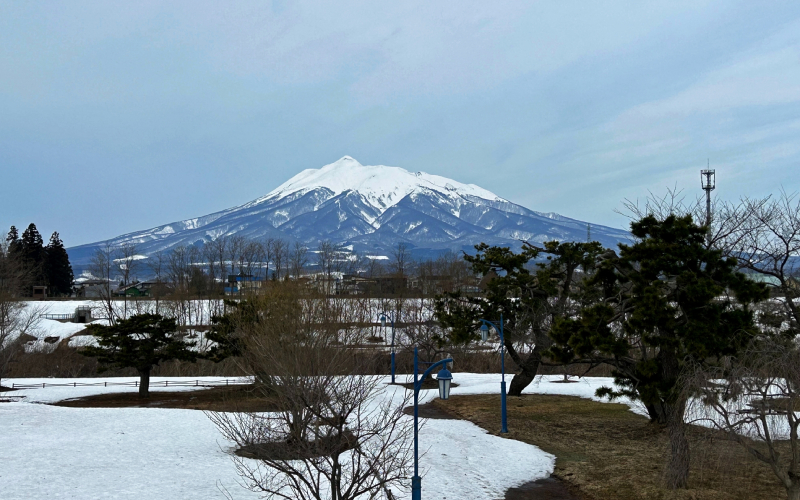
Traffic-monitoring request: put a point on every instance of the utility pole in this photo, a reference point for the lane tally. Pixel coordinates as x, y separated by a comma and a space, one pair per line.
707, 181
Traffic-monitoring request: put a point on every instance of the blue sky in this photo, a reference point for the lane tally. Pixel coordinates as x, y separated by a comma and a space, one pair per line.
119, 116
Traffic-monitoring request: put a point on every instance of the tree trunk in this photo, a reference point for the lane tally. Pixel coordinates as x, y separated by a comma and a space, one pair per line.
528, 371
793, 491
677, 474
144, 383
657, 413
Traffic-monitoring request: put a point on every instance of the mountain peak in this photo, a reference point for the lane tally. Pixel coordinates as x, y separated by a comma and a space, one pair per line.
380, 186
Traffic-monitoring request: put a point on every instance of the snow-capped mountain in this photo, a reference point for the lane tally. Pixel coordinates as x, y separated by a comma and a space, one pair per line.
372, 208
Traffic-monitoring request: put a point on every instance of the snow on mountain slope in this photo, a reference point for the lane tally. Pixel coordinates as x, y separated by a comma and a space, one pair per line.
372, 208
381, 186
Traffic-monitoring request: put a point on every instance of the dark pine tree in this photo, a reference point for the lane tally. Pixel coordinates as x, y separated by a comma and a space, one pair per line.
667, 301
32, 257
57, 267
14, 244
142, 342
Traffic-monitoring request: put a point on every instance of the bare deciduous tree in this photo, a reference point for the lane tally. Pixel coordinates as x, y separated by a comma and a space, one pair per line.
102, 268
335, 435
769, 246
126, 266
755, 399
298, 259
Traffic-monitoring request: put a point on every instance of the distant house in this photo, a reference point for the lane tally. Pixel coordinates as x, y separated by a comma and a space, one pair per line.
141, 289
243, 283
91, 289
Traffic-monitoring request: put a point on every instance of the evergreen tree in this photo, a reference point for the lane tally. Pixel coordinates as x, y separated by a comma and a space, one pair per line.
142, 342
57, 267
32, 255
226, 329
530, 298
13, 242
667, 300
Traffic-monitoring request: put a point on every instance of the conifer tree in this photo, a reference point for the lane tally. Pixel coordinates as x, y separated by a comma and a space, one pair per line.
13, 242
57, 267
32, 255
667, 300
142, 342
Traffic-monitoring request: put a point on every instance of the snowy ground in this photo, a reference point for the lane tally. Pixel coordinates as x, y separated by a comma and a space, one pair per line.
134, 453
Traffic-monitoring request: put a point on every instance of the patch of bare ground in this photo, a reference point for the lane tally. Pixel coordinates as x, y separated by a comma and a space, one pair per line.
241, 398
604, 451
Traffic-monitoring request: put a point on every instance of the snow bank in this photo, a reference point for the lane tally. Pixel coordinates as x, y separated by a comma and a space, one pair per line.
153, 453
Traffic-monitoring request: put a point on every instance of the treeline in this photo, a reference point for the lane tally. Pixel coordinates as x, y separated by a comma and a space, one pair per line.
203, 271
26, 262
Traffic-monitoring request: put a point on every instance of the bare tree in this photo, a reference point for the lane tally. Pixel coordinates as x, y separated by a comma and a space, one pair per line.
280, 257
102, 268
126, 266
267, 254
728, 219
236, 247
755, 399
157, 263
336, 435
298, 259
769, 246
217, 251
372, 267
399, 260
330, 261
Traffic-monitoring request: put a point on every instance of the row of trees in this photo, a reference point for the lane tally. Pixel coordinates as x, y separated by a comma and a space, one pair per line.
35, 263
204, 269
681, 298
187, 273
24, 263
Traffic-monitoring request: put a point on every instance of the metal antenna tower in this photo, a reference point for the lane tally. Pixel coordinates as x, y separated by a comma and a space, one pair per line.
707, 181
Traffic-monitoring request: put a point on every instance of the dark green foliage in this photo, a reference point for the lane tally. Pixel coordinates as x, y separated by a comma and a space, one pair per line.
226, 329
32, 255
14, 244
57, 267
666, 300
505, 275
141, 342
529, 298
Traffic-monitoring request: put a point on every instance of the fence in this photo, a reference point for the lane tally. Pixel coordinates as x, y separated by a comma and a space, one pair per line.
57, 316
135, 383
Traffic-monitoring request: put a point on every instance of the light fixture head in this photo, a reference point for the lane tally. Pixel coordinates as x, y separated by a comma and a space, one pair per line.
484, 332
445, 378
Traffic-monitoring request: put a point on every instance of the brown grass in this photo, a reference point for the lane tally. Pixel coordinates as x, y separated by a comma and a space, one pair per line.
244, 398
607, 452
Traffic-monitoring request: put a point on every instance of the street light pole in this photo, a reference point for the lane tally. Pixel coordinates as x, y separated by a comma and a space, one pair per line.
383, 325
485, 336
444, 377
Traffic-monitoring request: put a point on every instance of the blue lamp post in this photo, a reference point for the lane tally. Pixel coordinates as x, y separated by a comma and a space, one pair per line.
383, 325
445, 378
485, 336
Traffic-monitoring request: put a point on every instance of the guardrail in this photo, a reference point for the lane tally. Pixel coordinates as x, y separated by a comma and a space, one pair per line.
57, 316
135, 383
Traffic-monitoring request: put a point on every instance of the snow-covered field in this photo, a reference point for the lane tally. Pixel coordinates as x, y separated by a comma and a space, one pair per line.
133, 453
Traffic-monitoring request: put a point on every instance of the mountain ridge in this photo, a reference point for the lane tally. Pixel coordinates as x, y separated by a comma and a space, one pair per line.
372, 208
